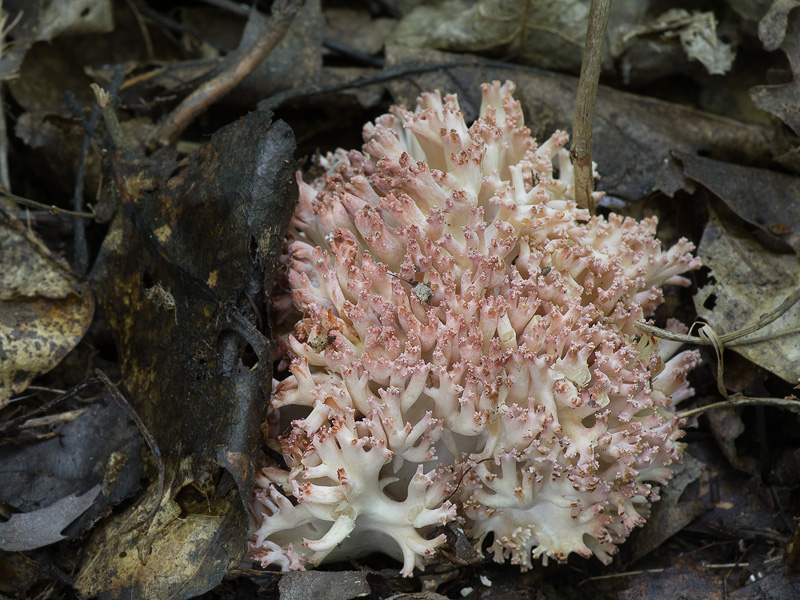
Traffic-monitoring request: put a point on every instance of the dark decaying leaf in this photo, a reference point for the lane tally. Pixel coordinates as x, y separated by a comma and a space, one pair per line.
685, 575
766, 199
101, 446
780, 28
182, 278
18, 572
742, 505
27, 531
774, 583
320, 585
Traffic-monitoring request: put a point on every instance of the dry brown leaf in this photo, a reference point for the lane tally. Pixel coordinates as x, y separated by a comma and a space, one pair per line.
44, 310
171, 556
357, 29
748, 282
700, 42
552, 35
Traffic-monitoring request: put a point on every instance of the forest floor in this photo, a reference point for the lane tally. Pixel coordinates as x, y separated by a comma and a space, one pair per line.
127, 170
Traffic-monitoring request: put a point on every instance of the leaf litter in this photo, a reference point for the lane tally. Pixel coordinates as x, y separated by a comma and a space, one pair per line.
182, 256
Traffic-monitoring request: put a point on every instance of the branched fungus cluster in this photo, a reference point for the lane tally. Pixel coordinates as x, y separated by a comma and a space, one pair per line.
466, 352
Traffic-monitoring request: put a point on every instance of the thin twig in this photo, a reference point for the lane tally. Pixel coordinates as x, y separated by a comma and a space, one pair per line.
461, 479
232, 7
350, 52
740, 400
239, 65
621, 575
709, 337
77, 111
732, 339
49, 404
5, 180
64, 417
703, 564
581, 150
137, 11
52, 209
79, 244
148, 437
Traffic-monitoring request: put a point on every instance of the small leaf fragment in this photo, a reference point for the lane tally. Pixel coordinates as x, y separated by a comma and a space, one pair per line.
31, 530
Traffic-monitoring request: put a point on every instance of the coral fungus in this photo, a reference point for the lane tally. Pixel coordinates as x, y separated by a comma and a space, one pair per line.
466, 352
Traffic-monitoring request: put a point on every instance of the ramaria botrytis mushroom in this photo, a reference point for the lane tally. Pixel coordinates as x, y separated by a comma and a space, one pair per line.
514, 396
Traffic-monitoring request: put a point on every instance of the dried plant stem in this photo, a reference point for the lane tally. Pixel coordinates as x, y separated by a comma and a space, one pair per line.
790, 403
239, 65
148, 41
47, 405
80, 262
584, 103
53, 210
703, 564
729, 339
709, 337
110, 117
